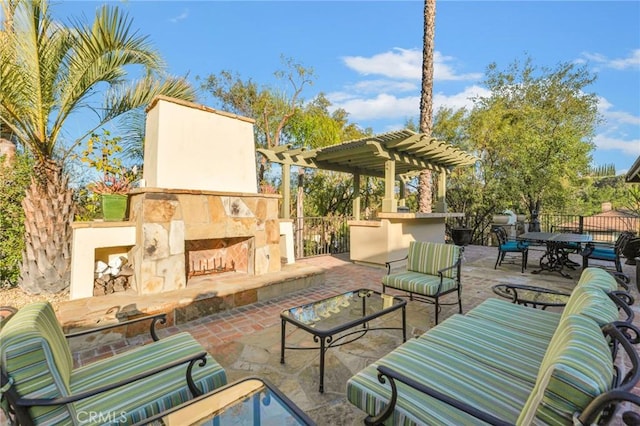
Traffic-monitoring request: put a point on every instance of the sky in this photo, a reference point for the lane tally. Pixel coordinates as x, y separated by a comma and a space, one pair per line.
367, 55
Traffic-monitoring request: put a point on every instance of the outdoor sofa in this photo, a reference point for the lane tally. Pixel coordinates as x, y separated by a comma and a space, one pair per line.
42, 386
504, 363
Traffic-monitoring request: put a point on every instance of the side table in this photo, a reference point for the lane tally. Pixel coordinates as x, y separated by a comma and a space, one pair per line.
532, 296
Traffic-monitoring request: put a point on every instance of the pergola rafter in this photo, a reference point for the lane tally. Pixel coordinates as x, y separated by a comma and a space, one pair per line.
392, 155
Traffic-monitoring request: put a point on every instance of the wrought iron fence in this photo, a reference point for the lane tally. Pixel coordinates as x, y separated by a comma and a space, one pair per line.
314, 236
601, 227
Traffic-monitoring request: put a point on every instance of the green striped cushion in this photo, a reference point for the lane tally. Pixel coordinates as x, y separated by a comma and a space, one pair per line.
529, 321
417, 282
597, 277
152, 395
429, 258
34, 352
592, 302
576, 369
446, 371
495, 345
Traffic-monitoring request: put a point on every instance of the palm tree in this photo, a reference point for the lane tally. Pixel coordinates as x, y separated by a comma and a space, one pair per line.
426, 99
49, 71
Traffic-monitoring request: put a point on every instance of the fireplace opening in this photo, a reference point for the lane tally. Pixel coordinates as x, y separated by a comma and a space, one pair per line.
219, 255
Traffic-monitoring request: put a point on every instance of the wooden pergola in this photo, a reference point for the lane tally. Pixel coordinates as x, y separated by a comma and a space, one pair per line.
394, 155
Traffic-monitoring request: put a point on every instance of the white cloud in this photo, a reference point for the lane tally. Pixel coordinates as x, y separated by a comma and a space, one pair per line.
631, 61
184, 15
382, 86
382, 106
614, 117
627, 147
405, 64
390, 106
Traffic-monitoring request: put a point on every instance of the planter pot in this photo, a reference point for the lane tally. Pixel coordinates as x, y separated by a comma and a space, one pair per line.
114, 207
501, 219
461, 236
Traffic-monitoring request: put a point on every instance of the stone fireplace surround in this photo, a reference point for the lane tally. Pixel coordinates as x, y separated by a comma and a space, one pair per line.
169, 221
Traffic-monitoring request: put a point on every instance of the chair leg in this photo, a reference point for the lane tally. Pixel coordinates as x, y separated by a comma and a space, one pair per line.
459, 299
437, 309
497, 261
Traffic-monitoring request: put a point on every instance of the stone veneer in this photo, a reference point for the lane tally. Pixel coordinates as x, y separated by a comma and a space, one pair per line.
166, 218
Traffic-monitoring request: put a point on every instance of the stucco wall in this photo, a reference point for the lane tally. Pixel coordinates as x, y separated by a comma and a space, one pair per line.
189, 146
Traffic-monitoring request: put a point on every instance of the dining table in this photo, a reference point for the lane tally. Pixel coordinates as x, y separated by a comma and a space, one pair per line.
558, 247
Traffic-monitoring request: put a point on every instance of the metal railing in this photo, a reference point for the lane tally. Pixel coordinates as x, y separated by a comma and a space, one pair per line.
601, 228
314, 236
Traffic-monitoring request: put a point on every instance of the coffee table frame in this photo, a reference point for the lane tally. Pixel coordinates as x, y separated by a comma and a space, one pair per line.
325, 337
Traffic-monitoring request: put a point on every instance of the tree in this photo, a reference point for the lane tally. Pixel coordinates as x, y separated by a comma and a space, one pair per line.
50, 71
426, 99
538, 123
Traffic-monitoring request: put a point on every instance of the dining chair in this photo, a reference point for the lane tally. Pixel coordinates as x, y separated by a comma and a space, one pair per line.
507, 245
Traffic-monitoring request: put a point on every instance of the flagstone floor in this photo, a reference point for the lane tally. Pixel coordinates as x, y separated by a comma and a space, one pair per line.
246, 340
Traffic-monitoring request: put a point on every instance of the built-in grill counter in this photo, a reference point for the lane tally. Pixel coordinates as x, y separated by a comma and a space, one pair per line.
388, 236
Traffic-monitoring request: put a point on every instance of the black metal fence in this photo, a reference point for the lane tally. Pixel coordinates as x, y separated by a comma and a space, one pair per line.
315, 236
602, 228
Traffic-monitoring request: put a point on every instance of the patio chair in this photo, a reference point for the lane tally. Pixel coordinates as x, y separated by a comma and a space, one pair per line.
507, 246
41, 385
608, 252
433, 270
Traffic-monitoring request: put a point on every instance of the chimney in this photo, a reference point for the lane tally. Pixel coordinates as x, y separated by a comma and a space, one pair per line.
606, 207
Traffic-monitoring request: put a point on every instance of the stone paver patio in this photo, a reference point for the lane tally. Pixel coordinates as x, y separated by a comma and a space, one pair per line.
246, 340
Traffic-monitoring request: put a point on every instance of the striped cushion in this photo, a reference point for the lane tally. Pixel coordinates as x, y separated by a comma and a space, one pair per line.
526, 320
597, 277
497, 346
152, 395
576, 368
417, 282
34, 352
445, 370
591, 302
429, 258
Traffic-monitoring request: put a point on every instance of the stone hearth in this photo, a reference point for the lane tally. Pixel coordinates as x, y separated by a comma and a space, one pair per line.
171, 223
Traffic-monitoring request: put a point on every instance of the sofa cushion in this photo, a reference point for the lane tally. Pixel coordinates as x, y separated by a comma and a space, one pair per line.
154, 394
35, 353
592, 302
597, 277
526, 320
417, 282
445, 370
429, 258
496, 345
576, 368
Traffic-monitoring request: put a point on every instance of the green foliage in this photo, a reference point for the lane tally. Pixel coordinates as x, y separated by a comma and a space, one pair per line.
602, 171
533, 134
14, 179
103, 155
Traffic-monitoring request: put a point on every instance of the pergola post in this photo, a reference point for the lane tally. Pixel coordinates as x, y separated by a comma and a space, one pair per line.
286, 192
441, 200
389, 203
356, 196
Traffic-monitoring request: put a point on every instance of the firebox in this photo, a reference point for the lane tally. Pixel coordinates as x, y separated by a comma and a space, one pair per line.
219, 255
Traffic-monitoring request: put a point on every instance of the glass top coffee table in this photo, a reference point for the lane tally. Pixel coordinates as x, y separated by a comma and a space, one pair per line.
250, 401
532, 296
340, 319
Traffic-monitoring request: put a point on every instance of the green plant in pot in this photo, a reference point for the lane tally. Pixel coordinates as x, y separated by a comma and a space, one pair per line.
102, 155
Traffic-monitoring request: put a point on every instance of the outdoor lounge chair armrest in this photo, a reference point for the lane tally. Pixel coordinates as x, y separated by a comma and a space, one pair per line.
603, 401
455, 265
161, 318
192, 359
614, 331
621, 298
388, 264
386, 373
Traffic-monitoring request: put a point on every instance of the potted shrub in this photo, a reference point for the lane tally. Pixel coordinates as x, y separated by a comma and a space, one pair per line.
101, 154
